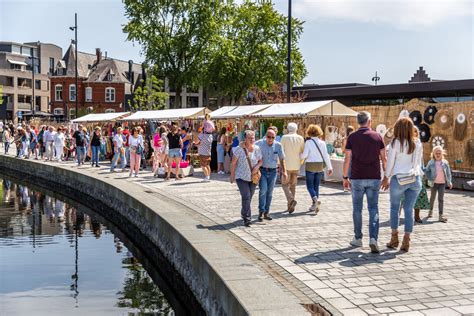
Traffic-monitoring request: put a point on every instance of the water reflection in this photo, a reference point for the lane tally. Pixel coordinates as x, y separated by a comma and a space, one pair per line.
55, 258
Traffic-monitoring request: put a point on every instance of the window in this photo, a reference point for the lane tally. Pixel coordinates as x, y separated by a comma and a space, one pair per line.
38, 103
51, 65
58, 111
109, 94
72, 92
110, 111
16, 49
72, 113
59, 92
88, 94
38, 84
15, 67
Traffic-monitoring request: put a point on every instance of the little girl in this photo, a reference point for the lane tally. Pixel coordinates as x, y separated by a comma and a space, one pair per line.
439, 175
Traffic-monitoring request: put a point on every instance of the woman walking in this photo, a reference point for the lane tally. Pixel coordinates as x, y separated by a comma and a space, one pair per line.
404, 171
95, 146
59, 144
221, 145
246, 163
157, 143
317, 159
135, 142
175, 145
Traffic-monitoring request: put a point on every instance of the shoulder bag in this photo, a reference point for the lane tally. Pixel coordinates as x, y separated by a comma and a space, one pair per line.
255, 176
316, 166
407, 178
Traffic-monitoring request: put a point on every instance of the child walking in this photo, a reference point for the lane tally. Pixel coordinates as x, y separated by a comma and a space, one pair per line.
439, 175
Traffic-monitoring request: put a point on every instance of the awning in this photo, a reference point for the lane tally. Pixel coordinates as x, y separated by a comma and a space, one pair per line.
241, 111
16, 62
303, 109
221, 111
100, 117
167, 115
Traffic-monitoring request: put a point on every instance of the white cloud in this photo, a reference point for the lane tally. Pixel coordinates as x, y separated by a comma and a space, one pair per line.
404, 14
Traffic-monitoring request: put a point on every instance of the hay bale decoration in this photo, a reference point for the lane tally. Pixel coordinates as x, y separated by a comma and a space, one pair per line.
444, 119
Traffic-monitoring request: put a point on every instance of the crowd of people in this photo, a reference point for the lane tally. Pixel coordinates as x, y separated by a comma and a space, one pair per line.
370, 164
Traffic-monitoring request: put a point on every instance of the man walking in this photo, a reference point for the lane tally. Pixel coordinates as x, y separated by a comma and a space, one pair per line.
365, 150
80, 139
293, 146
119, 150
272, 151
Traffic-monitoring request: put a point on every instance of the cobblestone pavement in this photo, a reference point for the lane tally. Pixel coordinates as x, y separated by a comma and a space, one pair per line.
312, 252
435, 278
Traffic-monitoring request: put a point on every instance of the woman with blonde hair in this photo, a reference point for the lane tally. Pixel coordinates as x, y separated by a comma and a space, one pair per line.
404, 171
317, 159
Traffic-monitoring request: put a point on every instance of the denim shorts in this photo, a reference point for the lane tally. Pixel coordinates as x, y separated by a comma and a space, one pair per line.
174, 153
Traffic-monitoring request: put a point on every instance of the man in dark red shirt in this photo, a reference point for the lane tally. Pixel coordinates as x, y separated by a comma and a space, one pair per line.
365, 150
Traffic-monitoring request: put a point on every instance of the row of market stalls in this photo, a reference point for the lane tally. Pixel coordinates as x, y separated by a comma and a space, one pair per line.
238, 118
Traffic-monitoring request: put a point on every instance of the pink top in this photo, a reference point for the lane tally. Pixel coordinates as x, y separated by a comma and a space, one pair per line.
439, 172
156, 140
209, 127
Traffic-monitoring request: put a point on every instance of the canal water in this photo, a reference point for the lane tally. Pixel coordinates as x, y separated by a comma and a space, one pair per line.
56, 259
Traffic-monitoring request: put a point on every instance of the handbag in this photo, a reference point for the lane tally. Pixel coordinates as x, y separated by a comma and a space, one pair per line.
317, 166
406, 178
139, 149
255, 176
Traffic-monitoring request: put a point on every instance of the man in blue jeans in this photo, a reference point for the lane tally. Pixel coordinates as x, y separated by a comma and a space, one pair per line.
80, 139
365, 150
272, 151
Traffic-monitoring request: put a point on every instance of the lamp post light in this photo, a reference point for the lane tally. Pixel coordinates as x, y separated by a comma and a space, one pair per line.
33, 85
74, 28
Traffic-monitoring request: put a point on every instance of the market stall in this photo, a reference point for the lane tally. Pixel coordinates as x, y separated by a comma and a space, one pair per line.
101, 117
306, 113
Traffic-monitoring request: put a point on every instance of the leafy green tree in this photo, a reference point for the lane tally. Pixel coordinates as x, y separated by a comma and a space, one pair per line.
148, 95
251, 51
174, 35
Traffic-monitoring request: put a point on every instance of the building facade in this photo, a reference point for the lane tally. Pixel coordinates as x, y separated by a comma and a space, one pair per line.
104, 84
17, 62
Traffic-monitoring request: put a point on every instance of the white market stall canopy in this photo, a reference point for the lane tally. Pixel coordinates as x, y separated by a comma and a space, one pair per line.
167, 115
304, 109
221, 111
240, 111
100, 117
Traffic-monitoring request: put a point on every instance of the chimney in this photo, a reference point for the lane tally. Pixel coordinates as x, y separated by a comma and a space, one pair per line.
98, 53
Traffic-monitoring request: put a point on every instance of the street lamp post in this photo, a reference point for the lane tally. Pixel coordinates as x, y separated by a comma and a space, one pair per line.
33, 84
74, 28
288, 62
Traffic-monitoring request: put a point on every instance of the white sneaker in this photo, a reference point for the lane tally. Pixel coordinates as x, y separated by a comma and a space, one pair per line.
374, 246
356, 242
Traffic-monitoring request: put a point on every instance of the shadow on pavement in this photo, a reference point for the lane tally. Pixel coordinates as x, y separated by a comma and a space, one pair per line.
348, 257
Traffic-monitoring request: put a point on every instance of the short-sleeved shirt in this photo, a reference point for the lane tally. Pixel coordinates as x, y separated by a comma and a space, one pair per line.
270, 154
80, 138
204, 148
365, 145
242, 171
118, 139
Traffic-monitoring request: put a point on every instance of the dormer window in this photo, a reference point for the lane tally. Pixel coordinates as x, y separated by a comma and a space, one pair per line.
110, 75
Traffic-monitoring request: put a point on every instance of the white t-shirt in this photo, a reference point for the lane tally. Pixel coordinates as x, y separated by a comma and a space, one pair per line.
59, 140
133, 142
118, 139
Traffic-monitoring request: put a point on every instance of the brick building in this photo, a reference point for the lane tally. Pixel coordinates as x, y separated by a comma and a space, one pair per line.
104, 84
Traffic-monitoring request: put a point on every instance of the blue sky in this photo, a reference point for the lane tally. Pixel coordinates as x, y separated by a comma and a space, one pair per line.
343, 40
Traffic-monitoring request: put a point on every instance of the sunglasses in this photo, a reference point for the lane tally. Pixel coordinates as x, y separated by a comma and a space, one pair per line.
271, 137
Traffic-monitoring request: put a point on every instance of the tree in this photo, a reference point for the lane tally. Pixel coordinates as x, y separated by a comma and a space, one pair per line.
174, 35
250, 52
149, 95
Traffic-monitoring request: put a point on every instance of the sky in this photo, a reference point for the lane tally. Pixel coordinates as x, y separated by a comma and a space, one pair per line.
343, 41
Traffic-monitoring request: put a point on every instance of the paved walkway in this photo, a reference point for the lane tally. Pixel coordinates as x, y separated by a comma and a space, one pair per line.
310, 255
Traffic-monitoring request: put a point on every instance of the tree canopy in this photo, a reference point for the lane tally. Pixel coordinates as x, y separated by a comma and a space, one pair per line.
225, 47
